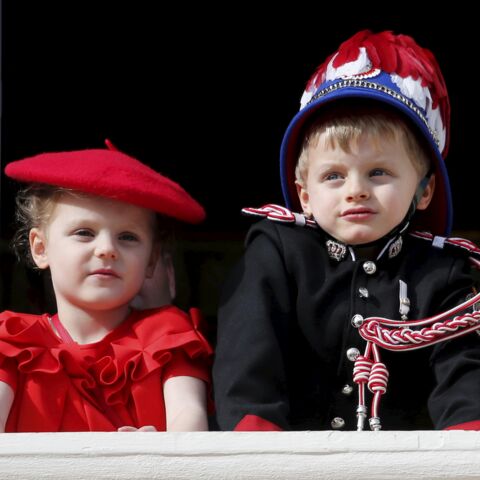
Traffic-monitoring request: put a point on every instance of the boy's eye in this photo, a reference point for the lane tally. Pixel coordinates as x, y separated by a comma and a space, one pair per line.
128, 237
333, 176
376, 172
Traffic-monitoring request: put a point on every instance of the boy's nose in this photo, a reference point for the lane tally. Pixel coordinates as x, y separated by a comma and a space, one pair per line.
357, 190
105, 247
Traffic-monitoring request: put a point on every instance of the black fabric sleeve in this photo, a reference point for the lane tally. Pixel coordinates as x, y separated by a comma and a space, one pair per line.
456, 363
249, 375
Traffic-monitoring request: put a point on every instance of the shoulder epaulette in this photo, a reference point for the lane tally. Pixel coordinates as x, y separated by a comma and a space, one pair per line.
440, 242
277, 213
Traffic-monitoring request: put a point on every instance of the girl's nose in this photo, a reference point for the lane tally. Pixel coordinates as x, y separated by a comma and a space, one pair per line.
105, 247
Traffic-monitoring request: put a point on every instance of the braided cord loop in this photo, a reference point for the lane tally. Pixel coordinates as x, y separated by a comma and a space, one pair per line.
400, 336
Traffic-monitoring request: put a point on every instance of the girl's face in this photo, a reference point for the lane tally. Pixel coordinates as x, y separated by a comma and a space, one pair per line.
99, 251
359, 197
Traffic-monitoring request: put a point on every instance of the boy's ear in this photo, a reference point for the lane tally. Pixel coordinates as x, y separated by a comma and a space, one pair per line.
38, 247
304, 198
427, 195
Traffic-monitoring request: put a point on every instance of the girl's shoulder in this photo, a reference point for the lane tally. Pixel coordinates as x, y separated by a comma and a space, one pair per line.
6, 314
23, 326
166, 327
27, 340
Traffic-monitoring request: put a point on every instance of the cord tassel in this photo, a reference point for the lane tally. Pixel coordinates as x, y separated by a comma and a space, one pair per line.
404, 301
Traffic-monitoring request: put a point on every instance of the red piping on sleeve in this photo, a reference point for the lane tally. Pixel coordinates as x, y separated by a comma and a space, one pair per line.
473, 425
252, 423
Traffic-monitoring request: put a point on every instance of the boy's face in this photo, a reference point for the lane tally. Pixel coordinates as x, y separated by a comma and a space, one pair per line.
99, 251
359, 197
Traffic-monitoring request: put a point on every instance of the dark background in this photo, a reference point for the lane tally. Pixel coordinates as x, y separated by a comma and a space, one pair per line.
202, 94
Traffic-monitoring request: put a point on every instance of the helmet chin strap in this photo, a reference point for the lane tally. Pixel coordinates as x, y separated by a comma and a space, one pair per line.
415, 201
403, 225
419, 192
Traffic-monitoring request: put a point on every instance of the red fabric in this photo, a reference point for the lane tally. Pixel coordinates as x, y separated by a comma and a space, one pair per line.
71, 387
112, 174
473, 425
252, 423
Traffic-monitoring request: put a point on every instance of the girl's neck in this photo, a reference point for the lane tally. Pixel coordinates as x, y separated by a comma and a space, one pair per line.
90, 326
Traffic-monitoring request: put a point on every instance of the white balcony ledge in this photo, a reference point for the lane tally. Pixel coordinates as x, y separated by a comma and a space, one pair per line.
219, 455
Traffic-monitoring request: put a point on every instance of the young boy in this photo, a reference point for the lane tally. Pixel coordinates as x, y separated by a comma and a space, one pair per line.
363, 161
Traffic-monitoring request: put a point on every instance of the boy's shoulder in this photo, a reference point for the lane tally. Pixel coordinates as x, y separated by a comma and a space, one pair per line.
445, 247
280, 215
279, 223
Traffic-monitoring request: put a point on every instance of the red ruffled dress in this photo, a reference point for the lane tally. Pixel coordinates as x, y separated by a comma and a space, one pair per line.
61, 386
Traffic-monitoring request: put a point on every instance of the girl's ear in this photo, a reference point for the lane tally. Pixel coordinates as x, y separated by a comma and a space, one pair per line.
154, 258
170, 271
162, 270
427, 195
38, 247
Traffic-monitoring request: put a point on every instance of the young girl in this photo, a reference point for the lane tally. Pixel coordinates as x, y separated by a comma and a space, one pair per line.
98, 364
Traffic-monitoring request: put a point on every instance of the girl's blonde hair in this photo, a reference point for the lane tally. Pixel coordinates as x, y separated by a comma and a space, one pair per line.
35, 205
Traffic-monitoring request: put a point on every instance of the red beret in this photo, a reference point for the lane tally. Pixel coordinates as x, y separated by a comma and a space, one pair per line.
109, 173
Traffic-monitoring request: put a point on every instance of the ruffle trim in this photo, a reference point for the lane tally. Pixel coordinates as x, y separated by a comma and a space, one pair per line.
143, 344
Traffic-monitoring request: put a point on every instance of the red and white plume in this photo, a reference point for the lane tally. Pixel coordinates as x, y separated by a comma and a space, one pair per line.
412, 68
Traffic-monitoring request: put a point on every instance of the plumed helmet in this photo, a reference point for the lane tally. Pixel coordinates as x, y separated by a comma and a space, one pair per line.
392, 69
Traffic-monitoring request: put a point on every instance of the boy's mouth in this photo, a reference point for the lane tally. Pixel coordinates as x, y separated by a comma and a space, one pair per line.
358, 213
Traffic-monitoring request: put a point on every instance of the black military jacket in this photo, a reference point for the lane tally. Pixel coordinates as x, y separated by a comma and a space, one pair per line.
285, 329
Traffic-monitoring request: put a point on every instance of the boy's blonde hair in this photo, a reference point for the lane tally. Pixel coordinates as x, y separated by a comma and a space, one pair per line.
344, 124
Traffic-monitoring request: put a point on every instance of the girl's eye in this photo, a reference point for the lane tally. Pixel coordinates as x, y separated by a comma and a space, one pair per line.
83, 232
376, 172
128, 237
332, 176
